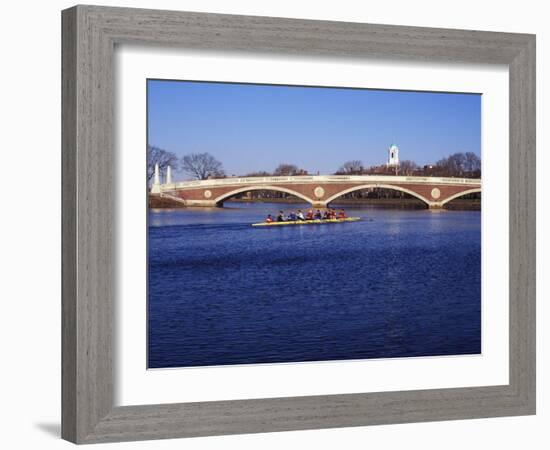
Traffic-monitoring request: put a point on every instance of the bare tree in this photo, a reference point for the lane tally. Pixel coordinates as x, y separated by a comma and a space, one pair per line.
354, 167
261, 173
407, 167
286, 170
473, 164
163, 158
459, 165
202, 166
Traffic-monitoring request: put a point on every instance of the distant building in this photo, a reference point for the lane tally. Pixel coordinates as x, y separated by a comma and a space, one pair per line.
393, 156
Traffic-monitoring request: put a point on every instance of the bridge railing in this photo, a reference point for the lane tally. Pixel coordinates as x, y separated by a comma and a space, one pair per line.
320, 179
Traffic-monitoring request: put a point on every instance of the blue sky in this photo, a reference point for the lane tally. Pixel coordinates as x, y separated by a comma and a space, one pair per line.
256, 127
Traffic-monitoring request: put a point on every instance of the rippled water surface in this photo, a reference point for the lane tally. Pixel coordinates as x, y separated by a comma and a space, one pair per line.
398, 283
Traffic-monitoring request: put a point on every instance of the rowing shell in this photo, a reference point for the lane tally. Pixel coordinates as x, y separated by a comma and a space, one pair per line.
306, 222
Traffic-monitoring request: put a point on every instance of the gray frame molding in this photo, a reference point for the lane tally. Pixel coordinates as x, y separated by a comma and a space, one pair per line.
89, 36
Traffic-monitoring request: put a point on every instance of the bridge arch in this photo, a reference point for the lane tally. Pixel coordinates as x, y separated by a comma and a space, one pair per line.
378, 185
460, 194
223, 197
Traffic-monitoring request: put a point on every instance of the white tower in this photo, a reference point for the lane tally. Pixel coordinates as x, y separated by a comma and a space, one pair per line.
393, 156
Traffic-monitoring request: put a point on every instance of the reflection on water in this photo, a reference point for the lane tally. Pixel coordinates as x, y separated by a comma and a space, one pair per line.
398, 283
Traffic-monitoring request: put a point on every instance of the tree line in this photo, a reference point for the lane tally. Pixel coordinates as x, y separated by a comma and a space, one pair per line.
463, 165
202, 166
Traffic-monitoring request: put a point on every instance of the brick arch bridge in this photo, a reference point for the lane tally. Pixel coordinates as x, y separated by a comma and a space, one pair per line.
318, 190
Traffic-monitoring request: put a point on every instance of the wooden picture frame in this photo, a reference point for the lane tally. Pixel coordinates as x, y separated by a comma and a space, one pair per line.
90, 34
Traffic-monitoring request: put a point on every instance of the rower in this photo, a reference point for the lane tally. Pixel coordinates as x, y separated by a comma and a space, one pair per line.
342, 214
281, 216
300, 215
318, 215
309, 215
269, 218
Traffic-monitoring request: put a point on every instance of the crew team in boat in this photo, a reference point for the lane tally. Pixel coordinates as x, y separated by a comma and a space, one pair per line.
328, 214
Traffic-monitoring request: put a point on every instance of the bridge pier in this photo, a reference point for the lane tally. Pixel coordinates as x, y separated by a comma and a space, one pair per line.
319, 205
203, 203
435, 205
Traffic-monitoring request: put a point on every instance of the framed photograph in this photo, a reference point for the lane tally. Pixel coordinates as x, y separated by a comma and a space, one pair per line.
278, 224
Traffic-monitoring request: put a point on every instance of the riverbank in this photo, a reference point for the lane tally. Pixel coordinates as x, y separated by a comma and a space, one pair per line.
156, 201
406, 203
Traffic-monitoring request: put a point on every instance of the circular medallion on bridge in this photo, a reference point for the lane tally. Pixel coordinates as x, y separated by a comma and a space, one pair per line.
436, 193
208, 193
319, 192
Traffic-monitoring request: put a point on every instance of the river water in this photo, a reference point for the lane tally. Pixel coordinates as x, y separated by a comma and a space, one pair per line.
399, 283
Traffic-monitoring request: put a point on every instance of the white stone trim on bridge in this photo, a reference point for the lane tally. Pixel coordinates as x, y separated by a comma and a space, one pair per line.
263, 187
460, 194
379, 185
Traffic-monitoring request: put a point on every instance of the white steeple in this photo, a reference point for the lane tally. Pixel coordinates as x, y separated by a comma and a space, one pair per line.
393, 155
169, 175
